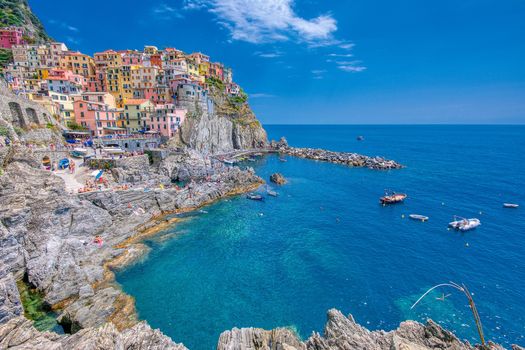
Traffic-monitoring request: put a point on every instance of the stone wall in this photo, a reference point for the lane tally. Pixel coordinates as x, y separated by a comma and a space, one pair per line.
18, 111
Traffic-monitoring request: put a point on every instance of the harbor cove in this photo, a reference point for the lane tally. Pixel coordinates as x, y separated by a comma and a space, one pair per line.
326, 242
262, 175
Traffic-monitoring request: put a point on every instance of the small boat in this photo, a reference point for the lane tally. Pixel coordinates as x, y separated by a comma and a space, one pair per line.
79, 152
463, 224
282, 159
418, 217
272, 193
510, 205
229, 161
254, 197
360, 138
392, 197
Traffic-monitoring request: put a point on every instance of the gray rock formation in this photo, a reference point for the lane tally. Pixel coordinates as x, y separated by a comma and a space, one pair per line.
346, 158
214, 125
278, 179
20, 334
47, 235
343, 333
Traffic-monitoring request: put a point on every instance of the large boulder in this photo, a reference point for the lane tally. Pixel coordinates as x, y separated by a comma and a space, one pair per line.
278, 179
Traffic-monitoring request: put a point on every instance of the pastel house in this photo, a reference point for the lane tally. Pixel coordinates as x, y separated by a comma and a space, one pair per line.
10, 36
97, 112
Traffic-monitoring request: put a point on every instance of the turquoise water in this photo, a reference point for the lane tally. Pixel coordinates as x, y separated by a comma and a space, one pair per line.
326, 242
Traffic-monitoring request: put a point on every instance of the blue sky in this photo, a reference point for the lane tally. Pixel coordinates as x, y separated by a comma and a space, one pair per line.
330, 61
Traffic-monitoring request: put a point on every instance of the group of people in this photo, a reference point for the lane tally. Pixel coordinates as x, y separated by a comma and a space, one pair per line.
94, 185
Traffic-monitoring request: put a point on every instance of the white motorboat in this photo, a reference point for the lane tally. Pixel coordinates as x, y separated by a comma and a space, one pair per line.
510, 205
463, 224
229, 161
418, 217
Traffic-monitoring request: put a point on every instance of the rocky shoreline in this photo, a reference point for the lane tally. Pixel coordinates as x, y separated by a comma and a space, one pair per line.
345, 158
46, 237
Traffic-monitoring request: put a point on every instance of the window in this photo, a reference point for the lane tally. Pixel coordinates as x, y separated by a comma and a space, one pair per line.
81, 114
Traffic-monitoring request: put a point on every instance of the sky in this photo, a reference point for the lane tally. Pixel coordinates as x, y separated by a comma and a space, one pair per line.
330, 61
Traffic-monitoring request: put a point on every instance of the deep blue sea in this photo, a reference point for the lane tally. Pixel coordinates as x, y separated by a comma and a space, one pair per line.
326, 242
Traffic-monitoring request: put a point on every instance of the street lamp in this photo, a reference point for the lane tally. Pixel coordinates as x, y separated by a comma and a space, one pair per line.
462, 288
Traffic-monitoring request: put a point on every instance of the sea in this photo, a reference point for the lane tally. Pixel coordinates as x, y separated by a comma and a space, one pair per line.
326, 242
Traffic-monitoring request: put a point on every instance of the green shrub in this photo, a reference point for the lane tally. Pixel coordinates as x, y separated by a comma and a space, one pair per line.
4, 131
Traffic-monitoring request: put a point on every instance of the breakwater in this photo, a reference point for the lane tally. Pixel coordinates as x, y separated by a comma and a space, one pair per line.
346, 158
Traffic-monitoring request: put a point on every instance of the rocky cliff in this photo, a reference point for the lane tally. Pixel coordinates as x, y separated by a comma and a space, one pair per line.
343, 333
220, 123
18, 13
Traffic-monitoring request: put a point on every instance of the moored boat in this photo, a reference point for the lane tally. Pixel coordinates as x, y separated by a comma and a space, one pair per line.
510, 205
418, 217
360, 138
463, 224
392, 197
254, 197
79, 152
229, 161
272, 193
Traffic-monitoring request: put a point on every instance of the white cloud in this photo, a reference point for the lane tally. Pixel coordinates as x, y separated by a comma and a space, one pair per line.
274, 54
73, 40
164, 11
350, 66
318, 73
347, 46
341, 55
63, 25
262, 21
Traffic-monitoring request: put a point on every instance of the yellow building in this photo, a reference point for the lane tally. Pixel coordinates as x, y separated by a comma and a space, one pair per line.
42, 73
78, 63
204, 69
65, 107
114, 84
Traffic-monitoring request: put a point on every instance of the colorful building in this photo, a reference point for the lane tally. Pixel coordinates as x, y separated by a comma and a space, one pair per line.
135, 114
166, 119
65, 82
97, 112
78, 63
65, 107
11, 36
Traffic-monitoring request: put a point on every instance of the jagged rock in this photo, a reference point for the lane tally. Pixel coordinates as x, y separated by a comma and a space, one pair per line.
19, 333
10, 304
214, 126
343, 333
48, 234
281, 144
260, 339
278, 179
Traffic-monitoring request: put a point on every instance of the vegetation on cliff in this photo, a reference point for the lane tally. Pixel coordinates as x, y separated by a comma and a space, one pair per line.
18, 13
35, 308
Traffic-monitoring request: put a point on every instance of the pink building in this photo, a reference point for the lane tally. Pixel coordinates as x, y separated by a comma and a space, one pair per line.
66, 82
11, 36
166, 119
97, 111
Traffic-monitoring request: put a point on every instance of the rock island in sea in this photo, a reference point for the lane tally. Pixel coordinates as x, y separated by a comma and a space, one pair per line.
66, 222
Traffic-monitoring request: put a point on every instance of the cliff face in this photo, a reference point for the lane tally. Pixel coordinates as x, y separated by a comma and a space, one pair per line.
18, 13
343, 333
220, 124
